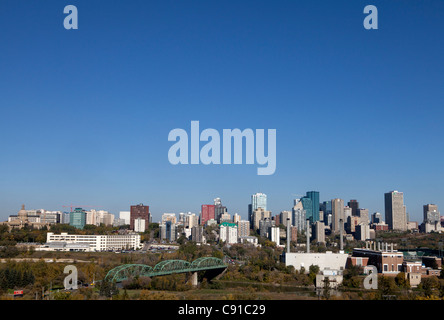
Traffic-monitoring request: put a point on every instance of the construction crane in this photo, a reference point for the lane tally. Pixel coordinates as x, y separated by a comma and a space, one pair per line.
77, 206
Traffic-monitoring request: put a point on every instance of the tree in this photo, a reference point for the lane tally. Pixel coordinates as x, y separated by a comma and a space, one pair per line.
428, 285
108, 289
402, 281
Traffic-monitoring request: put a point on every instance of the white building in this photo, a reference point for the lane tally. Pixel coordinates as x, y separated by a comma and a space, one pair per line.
275, 235
98, 242
139, 225
327, 260
125, 215
228, 232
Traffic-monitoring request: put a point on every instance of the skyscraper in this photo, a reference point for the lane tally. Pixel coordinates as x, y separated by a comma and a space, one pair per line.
395, 211
77, 218
313, 215
363, 215
432, 218
307, 204
207, 213
337, 210
139, 211
354, 205
258, 200
298, 215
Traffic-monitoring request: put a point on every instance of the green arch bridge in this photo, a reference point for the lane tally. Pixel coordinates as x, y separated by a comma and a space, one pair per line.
127, 271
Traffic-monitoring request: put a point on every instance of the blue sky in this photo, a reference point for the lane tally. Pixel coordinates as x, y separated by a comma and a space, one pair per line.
85, 114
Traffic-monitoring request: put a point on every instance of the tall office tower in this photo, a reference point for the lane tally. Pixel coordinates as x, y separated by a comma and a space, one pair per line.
395, 212
219, 209
337, 211
277, 219
77, 218
207, 213
326, 208
284, 215
347, 212
139, 211
314, 212
432, 218
354, 205
298, 215
125, 215
376, 217
363, 215
236, 218
264, 227
258, 215
307, 204
258, 200
168, 231
319, 232
197, 234
243, 228
217, 202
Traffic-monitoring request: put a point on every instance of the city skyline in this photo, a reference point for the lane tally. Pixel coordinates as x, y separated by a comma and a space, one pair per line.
86, 113
156, 216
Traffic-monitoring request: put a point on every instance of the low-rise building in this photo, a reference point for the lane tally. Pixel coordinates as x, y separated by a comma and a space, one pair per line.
387, 262
96, 242
334, 278
327, 260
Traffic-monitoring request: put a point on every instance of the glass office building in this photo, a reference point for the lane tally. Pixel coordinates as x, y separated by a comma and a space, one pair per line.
77, 218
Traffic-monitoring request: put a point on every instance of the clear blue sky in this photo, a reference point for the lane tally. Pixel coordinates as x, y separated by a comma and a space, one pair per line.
85, 114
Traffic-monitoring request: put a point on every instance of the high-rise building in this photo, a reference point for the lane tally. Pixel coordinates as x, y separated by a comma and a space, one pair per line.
169, 217
168, 231
363, 215
77, 218
298, 215
258, 215
337, 210
376, 217
313, 214
125, 215
307, 204
432, 218
347, 212
207, 213
395, 211
354, 205
219, 209
139, 225
139, 211
326, 208
265, 227
197, 234
274, 235
243, 228
228, 232
284, 215
258, 200
319, 232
